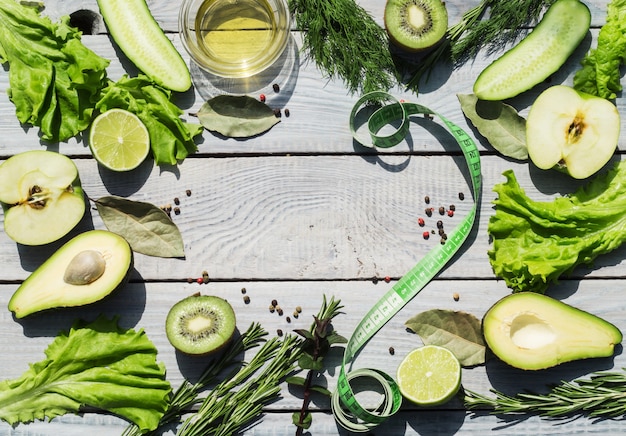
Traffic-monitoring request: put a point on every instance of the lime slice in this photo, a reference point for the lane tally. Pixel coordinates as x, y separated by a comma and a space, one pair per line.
429, 376
119, 140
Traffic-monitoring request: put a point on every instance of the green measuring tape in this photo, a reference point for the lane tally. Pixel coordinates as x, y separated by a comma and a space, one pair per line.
348, 412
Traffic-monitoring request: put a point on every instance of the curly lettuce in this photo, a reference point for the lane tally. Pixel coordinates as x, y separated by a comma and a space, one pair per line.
535, 243
54, 80
96, 365
600, 72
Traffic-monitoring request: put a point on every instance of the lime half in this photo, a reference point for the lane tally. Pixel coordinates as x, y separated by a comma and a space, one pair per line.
429, 376
119, 140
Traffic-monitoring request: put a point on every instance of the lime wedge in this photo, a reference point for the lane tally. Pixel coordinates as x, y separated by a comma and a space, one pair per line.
429, 376
119, 140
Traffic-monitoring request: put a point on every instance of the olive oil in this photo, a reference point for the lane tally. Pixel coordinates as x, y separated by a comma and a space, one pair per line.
239, 34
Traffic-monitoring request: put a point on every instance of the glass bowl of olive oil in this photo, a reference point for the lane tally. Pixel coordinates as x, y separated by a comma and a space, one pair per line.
234, 38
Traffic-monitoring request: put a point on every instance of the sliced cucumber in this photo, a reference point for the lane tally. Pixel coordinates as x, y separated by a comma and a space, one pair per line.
138, 35
538, 55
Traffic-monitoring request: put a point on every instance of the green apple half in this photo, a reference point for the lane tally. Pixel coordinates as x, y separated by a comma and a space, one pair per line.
575, 131
41, 196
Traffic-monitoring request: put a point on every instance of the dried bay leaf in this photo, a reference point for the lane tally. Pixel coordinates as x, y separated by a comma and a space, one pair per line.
146, 227
237, 116
460, 332
499, 123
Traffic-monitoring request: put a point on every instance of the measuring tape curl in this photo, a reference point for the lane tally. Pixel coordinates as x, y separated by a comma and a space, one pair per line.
348, 412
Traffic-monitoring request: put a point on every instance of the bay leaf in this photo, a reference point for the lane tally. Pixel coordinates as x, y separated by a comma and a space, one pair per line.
237, 116
146, 227
499, 123
460, 332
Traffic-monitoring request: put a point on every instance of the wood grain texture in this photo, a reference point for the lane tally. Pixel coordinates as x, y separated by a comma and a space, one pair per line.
301, 212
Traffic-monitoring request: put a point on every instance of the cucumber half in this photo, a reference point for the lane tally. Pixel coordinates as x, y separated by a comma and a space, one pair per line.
538, 55
138, 35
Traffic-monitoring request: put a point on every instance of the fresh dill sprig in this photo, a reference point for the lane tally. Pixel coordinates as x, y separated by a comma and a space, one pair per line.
603, 394
504, 25
345, 42
186, 396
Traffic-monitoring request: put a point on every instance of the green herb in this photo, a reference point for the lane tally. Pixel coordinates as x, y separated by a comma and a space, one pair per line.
345, 42
317, 343
237, 116
239, 399
459, 332
499, 123
54, 80
171, 139
187, 394
464, 39
600, 73
535, 243
146, 227
94, 365
601, 395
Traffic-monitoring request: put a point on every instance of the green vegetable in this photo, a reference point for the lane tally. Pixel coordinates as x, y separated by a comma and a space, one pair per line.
600, 73
601, 395
171, 139
473, 32
499, 123
237, 116
538, 55
136, 32
54, 80
345, 42
95, 365
535, 243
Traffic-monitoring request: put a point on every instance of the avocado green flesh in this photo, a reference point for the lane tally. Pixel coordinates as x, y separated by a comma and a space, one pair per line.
533, 331
46, 289
540, 54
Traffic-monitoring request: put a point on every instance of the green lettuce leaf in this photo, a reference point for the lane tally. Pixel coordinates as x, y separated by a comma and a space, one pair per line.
96, 365
535, 243
171, 139
54, 80
600, 72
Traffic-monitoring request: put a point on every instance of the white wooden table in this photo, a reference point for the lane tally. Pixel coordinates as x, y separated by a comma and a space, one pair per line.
299, 213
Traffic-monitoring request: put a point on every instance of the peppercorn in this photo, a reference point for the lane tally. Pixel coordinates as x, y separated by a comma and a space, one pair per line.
274, 303
190, 280
298, 309
455, 296
440, 224
188, 192
279, 332
288, 319
287, 113
442, 210
244, 290
246, 299
277, 113
199, 280
452, 207
427, 199
375, 280
262, 98
272, 308
461, 196
421, 222
276, 87
176, 200
279, 311
387, 279
392, 351
426, 235
177, 210
296, 314
429, 211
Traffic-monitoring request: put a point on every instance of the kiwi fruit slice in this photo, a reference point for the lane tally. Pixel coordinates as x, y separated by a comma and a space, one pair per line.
415, 25
200, 324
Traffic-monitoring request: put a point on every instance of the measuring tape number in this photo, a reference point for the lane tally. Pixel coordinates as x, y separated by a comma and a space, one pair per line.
348, 412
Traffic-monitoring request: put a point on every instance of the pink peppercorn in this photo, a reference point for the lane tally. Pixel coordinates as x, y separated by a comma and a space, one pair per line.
421, 222
262, 97
450, 212
426, 235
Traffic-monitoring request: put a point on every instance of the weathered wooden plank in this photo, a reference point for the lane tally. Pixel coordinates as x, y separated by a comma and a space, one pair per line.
144, 306
304, 217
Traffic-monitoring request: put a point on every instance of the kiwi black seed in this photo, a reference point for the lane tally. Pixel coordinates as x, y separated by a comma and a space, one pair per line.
200, 324
415, 25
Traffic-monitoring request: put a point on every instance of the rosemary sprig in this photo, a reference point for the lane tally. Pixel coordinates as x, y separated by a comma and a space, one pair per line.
186, 396
318, 341
345, 42
603, 394
227, 410
472, 33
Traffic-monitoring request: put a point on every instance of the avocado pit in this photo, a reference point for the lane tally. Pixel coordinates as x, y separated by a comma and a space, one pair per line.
530, 332
84, 268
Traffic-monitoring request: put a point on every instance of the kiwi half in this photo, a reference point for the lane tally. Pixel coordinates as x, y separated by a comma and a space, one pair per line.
415, 25
200, 324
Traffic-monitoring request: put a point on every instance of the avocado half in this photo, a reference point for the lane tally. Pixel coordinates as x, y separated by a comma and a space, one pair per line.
84, 270
533, 331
